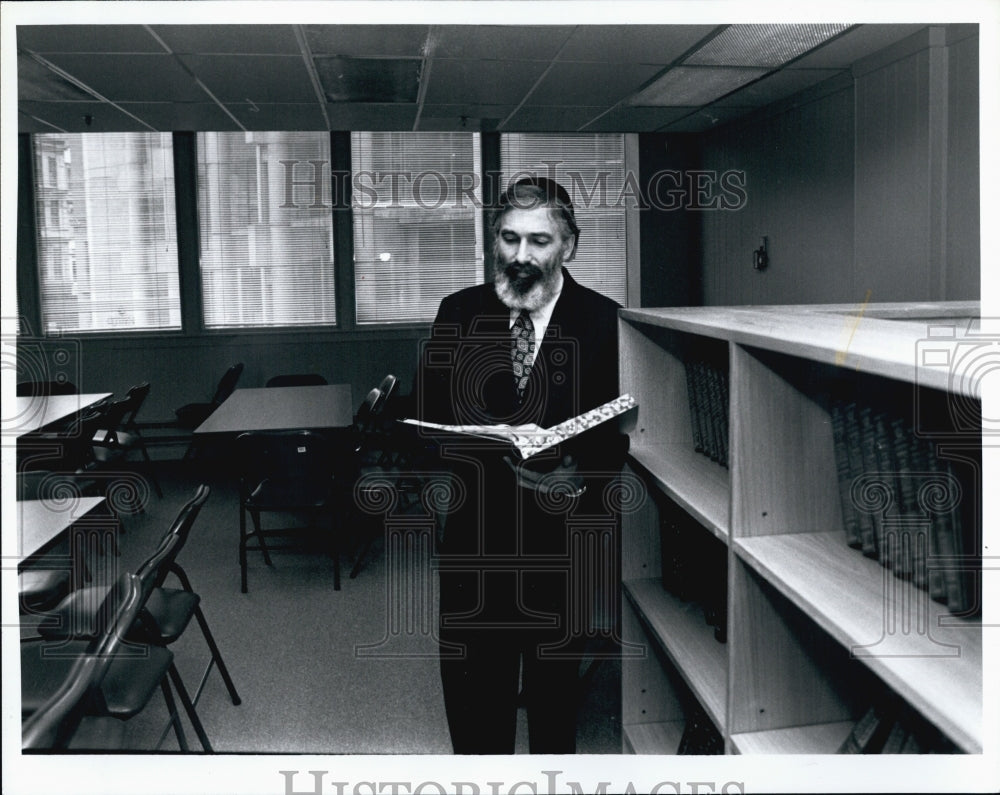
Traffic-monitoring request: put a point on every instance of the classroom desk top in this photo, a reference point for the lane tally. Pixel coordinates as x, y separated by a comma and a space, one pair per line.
282, 409
41, 523
36, 411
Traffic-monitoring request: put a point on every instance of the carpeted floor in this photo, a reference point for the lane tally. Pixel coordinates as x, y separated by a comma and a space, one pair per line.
353, 671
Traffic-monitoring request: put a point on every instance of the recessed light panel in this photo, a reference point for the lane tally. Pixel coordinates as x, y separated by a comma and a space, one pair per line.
762, 45
369, 79
693, 86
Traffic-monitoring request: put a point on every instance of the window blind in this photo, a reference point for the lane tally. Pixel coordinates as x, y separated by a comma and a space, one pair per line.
418, 232
266, 229
592, 169
107, 236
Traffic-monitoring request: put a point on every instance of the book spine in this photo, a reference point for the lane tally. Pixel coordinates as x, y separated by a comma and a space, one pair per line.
693, 407
839, 419
871, 526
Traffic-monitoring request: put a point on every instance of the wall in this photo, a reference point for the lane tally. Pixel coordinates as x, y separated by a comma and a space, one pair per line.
865, 187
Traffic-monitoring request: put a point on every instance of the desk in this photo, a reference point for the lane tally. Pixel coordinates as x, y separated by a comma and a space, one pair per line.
34, 412
282, 409
42, 524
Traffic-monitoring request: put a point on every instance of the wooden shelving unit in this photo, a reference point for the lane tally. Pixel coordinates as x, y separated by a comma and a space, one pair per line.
816, 630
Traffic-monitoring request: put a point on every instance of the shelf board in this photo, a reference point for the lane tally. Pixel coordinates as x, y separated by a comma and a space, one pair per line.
654, 738
821, 738
881, 339
698, 485
939, 671
690, 644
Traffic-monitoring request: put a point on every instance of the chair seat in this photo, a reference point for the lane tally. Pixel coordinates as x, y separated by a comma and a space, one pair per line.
167, 613
41, 590
132, 678
171, 610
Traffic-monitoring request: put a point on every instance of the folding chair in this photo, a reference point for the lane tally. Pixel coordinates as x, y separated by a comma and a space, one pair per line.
285, 472
54, 724
168, 611
122, 435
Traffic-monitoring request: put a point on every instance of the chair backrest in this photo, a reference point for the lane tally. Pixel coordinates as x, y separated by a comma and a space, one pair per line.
134, 398
297, 379
227, 383
388, 389
52, 725
303, 456
156, 567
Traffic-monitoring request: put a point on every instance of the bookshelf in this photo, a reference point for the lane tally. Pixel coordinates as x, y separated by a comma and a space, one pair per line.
817, 630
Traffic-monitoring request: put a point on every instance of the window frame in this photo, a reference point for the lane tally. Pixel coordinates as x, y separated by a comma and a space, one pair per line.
186, 216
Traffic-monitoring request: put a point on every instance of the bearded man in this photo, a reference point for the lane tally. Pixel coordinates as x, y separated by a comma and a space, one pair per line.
533, 346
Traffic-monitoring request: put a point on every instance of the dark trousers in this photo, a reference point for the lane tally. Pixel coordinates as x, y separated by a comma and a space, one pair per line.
481, 686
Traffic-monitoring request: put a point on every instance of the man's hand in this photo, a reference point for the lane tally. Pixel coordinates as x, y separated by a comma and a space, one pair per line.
563, 480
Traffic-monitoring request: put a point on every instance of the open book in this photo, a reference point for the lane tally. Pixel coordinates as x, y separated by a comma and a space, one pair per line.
529, 440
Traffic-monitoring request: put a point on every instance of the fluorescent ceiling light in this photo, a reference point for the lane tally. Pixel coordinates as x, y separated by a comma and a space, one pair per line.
762, 45
693, 86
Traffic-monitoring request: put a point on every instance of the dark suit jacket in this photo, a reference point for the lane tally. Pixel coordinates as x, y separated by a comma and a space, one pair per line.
465, 373
465, 377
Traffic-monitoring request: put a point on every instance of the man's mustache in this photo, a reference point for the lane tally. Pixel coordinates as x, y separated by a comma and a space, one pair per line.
522, 277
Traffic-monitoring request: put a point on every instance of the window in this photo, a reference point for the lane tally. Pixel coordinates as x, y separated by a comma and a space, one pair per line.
592, 169
105, 263
266, 229
418, 230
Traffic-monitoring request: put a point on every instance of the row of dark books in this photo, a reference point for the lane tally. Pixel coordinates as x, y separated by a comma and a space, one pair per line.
907, 501
700, 737
694, 565
708, 402
892, 727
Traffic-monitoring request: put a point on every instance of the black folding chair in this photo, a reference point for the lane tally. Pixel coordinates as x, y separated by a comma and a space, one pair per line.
54, 724
286, 472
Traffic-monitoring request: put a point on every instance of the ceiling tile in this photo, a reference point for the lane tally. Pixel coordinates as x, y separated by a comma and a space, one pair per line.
369, 79
694, 85
855, 45
778, 85
182, 115
548, 119
36, 81
508, 42
134, 78
86, 38
483, 118
591, 83
656, 44
625, 118
278, 116
762, 45
483, 82
70, 116
371, 116
368, 40
258, 78
244, 39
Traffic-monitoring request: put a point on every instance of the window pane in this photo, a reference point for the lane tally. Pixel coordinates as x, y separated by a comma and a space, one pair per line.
418, 229
107, 236
266, 229
592, 169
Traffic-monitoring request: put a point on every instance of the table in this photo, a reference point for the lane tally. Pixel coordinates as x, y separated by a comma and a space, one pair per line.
34, 412
282, 409
42, 524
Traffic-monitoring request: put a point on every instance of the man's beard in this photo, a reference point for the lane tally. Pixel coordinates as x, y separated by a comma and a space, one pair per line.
526, 286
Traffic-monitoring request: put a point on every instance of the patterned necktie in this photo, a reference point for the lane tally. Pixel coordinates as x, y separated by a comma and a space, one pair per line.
522, 351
